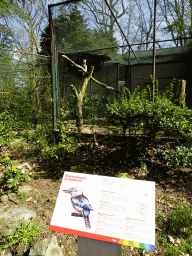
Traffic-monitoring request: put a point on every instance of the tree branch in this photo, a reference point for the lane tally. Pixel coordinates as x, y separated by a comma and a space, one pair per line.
74, 89
78, 66
104, 85
94, 80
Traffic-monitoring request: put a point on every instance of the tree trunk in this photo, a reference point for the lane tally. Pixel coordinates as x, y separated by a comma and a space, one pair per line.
181, 87
79, 99
79, 95
79, 113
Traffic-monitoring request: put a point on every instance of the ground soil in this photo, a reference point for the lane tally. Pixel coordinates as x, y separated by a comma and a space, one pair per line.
105, 159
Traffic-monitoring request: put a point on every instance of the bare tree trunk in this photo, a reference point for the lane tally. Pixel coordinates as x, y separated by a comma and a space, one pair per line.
79, 114
79, 95
181, 87
79, 99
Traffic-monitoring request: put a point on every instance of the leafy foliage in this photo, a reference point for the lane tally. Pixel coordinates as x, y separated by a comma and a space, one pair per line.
13, 177
94, 106
180, 156
25, 234
8, 8
136, 111
7, 124
63, 143
140, 115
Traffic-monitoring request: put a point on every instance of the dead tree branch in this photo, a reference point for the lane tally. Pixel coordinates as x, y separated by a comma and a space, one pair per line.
94, 80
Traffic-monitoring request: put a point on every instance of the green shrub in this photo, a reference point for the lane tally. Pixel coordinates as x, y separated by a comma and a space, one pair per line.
94, 106
25, 234
13, 177
139, 114
64, 143
181, 156
7, 125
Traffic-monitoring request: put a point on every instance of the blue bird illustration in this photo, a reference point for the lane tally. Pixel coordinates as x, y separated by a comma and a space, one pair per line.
81, 204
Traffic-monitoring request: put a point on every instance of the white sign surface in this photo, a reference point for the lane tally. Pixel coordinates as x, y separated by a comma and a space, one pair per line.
105, 208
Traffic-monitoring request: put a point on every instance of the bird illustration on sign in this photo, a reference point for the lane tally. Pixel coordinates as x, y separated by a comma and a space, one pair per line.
81, 204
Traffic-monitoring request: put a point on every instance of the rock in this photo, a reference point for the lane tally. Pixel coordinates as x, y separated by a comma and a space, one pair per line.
86, 130
178, 241
12, 217
6, 252
4, 198
171, 239
26, 168
22, 248
46, 247
25, 189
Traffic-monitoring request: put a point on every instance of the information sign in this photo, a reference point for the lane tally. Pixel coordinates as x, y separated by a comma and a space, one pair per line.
105, 208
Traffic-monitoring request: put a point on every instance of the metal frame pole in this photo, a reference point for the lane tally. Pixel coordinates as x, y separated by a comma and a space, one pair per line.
154, 44
53, 78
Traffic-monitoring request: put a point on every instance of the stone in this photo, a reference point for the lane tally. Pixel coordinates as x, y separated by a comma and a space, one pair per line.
25, 189
46, 247
4, 198
12, 217
86, 130
171, 239
25, 168
22, 248
6, 252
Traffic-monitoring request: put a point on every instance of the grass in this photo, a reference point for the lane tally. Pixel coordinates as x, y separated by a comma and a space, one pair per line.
23, 195
39, 200
178, 227
46, 213
45, 195
23, 236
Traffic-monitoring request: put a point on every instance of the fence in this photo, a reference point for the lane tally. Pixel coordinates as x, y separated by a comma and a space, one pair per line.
121, 53
101, 33
25, 87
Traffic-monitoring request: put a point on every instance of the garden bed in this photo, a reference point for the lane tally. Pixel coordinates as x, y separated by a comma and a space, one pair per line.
173, 186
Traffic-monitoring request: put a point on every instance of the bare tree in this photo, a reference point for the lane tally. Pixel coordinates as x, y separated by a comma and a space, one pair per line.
79, 95
144, 15
101, 15
178, 19
26, 32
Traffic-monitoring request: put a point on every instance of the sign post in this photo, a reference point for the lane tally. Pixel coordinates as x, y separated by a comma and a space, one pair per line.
105, 213
92, 247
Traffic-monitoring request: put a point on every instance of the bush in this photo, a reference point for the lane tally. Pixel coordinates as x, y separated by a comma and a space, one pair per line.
138, 113
62, 143
7, 125
13, 177
180, 156
94, 106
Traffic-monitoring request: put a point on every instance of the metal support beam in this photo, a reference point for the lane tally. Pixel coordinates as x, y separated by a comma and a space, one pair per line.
154, 45
52, 67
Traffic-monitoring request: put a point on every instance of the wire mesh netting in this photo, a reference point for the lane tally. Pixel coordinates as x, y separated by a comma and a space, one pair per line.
116, 37
25, 90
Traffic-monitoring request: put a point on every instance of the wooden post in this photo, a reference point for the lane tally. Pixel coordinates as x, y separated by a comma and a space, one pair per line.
180, 93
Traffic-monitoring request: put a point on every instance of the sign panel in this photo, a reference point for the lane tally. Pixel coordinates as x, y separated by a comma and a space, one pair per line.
105, 208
